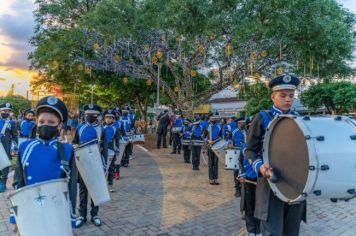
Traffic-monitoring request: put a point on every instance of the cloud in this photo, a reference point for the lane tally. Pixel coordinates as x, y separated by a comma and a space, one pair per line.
16, 28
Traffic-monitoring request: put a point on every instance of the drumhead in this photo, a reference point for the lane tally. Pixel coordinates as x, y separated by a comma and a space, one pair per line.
289, 157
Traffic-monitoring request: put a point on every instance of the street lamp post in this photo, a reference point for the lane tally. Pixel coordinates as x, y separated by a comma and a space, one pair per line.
158, 80
92, 93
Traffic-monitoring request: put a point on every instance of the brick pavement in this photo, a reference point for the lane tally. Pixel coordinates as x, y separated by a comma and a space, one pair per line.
160, 195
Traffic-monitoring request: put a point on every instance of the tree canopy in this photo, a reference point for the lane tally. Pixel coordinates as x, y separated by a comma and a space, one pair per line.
202, 46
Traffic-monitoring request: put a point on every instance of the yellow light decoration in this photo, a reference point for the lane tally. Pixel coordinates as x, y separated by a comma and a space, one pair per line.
125, 80
257, 76
154, 60
238, 86
96, 45
253, 56
229, 49
193, 73
159, 54
117, 58
55, 64
280, 71
201, 49
213, 36
264, 53
146, 47
176, 89
80, 67
149, 82
88, 70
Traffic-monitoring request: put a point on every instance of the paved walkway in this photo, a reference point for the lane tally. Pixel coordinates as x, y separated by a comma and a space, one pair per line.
160, 195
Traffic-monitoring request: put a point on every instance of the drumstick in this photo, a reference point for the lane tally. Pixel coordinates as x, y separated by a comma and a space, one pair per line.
247, 181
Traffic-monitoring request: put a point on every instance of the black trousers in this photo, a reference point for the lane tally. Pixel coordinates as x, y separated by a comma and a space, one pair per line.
3, 175
177, 143
111, 172
213, 162
186, 153
83, 204
163, 137
236, 181
283, 219
253, 225
127, 153
196, 150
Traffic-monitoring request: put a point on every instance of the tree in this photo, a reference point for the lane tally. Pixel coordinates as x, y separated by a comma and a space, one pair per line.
18, 102
337, 97
259, 98
222, 42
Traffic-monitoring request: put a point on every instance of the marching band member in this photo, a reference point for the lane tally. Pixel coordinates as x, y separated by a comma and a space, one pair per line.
27, 126
121, 129
127, 124
212, 134
163, 123
45, 158
248, 178
112, 135
187, 133
177, 126
8, 134
197, 134
277, 217
229, 128
86, 132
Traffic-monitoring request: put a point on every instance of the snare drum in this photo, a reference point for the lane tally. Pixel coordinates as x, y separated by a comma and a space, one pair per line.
198, 142
43, 209
90, 167
219, 148
232, 159
311, 157
176, 129
138, 139
186, 142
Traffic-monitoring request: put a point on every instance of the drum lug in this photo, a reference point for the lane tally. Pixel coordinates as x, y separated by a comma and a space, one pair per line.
307, 137
338, 118
304, 194
311, 167
320, 138
324, 167
317, 192
353, 137
351, 191
306, 118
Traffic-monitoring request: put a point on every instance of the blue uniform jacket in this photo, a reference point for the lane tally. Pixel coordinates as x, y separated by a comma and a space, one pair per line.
40, 161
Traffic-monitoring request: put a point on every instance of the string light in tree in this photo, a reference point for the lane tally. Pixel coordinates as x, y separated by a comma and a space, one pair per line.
201, 49
125, 80
96, 45
117, 58
55, 64
280, 70
159, 54
149, 82
80, 67
264, 53
193, 73
176, 89
212, 36
229, 49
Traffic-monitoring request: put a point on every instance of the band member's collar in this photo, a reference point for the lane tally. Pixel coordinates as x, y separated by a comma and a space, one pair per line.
276, 111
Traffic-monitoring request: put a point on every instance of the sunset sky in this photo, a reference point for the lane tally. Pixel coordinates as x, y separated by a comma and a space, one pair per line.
16, 28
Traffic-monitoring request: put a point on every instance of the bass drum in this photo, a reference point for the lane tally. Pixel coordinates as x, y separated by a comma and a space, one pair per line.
311, 157
42, 209
4, 158
219, 148
91, 169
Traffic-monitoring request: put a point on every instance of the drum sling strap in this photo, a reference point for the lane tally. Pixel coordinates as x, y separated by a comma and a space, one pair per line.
64, 163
